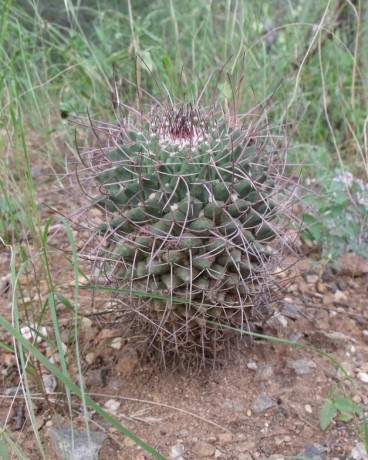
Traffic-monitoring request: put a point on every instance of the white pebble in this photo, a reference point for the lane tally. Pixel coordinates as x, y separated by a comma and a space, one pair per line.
252, 365
308, 409
282, 320
33, 332
363, 376
117, 343
112, 405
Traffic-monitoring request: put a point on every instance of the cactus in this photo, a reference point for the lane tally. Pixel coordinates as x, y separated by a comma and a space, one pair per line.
192, 220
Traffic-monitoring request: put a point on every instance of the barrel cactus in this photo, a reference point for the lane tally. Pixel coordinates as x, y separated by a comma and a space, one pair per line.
191, 222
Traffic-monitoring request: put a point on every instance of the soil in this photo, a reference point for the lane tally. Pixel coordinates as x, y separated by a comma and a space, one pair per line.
213, 413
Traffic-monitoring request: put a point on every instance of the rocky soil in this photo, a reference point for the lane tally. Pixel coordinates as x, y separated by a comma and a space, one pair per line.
262, 402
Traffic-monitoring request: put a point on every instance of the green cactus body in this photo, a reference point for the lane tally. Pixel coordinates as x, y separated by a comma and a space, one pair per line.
189, 210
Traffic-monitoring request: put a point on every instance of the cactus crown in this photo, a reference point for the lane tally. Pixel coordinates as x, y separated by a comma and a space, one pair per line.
190, 203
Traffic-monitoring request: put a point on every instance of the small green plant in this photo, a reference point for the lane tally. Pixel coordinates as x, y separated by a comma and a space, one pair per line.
338, 215
338, 408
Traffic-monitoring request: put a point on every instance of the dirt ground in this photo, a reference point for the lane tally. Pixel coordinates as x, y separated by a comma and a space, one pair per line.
263, 402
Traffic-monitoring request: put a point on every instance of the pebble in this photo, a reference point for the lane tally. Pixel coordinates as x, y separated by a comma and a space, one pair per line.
290, 310
90, 358
112, 405
245, 446
301, 366
295, 336
183, 433
117, 343
33, 332
75, 444
87, 331
329, 340
363, 377
358, 452
176, 452
49, 383
97, 377
129, 442
339, 296
202, 449
245, 456
252, 365
312, 279
265, 372
282, 320
12, 391
218, 453
262, 403
315, 452
308, 409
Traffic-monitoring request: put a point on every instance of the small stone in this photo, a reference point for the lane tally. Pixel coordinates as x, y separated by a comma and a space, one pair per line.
12, 391
315, 452
329, 340
363, 377
265, 372
301, 366
85, 324
245, 446
225, 439
202, 449
75, 444
312, 279
290, 310
308, 409
86, 330
97, 377
112, 405
117, 343
245, 456
359, 452
295, 336
218, 453
262, 404
252, 365
339, 296
129, 442
49, 383
282, 320
176, 452
90, 358
356, 399
183, 434
33, 332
